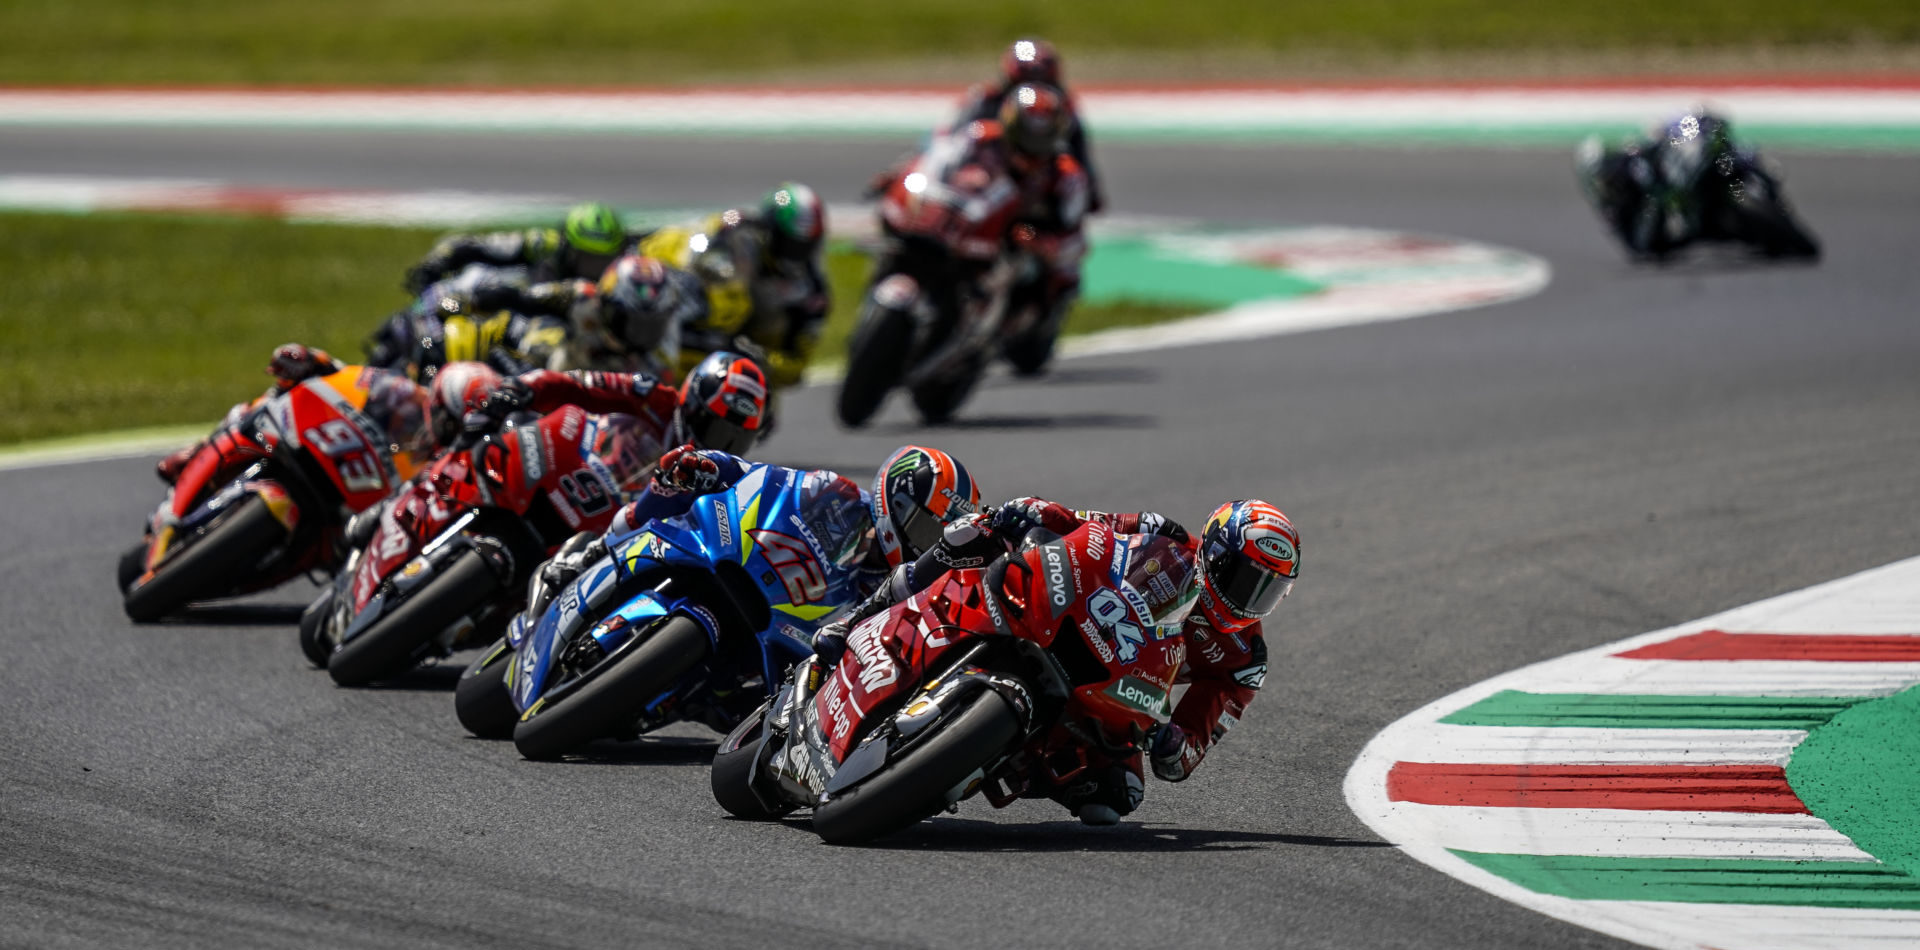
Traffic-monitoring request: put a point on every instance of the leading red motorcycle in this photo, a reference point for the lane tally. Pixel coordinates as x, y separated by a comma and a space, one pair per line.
1010, 680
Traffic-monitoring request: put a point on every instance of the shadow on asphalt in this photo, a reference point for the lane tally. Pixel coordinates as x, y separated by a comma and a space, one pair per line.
1093, 375
1065, 420
239, 615
660, 750
438, 678
964, 835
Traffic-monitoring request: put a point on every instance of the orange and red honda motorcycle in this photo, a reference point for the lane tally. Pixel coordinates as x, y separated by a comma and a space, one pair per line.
1008, 680
265, 498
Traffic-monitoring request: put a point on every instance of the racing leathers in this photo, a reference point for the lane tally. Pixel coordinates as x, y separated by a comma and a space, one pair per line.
983, 102
1223, 671
495, 319
777, 303
543, 253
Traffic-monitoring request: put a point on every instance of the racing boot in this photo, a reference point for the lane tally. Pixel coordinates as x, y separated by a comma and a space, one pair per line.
1112, 793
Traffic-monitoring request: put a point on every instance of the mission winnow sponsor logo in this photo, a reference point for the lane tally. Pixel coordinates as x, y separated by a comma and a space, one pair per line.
1744, 781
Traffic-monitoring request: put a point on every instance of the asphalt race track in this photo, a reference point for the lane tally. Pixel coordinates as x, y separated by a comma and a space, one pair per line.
1630, 449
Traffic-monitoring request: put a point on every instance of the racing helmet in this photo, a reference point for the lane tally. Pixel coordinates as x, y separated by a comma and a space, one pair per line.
1030, 60
916, 492
638, 301
722, 404
1033, 118
797, 219
593, 228
1249, 558
459, 388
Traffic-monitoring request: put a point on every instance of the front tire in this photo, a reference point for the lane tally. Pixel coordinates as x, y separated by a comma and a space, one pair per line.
211, 565
915, 787
395, 642
616, 695
875, 361
482, 700
732, 773
938, 400
313, 620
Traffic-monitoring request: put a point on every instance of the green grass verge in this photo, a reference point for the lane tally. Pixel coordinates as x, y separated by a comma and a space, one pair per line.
119, 321
674, 41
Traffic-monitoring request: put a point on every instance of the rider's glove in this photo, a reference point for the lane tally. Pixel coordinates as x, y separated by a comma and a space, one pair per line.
685, 469
1155, 523
294, 363
1167, 749
510, 396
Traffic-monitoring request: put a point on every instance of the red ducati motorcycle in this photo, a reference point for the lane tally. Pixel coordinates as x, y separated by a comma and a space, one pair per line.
265, 498
1009, 680
951, 288
448, 561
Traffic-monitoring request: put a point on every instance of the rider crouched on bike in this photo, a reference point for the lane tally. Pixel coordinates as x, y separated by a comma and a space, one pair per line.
1247, 559
581, 248
761, 272
1033, 61
917, 492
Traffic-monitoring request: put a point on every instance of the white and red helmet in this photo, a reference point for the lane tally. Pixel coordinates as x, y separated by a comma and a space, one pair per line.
1249, 558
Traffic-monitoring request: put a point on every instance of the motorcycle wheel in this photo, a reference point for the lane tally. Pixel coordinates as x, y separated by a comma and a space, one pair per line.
132, 565
1769, 226
875, 359
206, 569
1030, 352
396, 641
616, 695
939, 399
915, 786
312, 644
482, 700
732, 773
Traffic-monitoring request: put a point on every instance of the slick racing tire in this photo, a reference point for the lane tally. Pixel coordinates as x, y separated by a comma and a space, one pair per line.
397, 641
732, 773
132, 565
915, 786
616, 695
482, 700
1772, 229
313, 644
875, 359
207, 568
1030, 352
939, 399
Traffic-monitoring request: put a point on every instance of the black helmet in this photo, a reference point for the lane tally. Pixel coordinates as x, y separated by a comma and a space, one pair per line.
722, 403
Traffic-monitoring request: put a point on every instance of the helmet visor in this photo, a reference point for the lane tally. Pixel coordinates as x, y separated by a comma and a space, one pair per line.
1248, 589
713, 432
919, 528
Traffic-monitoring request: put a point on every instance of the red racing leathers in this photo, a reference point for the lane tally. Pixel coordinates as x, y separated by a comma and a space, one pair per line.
1222, 671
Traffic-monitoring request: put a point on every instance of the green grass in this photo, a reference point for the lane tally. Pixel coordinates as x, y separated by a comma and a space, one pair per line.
118, 321
674, 41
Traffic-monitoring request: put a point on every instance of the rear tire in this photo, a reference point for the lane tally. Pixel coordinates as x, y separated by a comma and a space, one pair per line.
939, 400
875, 361
1030, 352
394, 643
482, 700
914, 787
211, 565
615, 697
732, 773
132, 565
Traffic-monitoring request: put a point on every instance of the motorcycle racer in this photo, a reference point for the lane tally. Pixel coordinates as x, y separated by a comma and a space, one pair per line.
916, 492
762, 277
632, 318
587, 241
1245, 562
1033, 61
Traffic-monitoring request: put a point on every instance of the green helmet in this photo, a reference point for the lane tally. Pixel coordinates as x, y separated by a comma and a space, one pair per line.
593, 228
797, 218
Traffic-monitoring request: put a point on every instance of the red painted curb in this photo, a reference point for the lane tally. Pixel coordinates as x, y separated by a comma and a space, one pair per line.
1841, 82
1829, 648
1739, 788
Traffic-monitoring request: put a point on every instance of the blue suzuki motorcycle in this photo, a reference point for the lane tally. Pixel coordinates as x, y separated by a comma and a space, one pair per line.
688, 618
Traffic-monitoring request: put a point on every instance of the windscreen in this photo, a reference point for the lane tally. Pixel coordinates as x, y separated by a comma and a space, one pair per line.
835, 511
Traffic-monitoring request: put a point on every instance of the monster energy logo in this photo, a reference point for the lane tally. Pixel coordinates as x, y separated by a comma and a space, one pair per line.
906, 464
